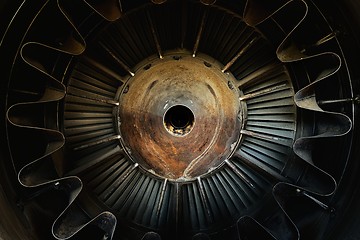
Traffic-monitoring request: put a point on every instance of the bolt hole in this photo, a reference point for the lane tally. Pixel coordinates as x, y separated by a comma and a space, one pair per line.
230, 85
147, 67
207, 64
126, 89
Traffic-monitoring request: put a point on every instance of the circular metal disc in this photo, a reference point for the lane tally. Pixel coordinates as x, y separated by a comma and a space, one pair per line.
180, 116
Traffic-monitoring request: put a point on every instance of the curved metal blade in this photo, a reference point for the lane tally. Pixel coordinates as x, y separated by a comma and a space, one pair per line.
249, 228
151, 236
73, 220
201, 236
108, 9
259, 11
328, 124
61, 37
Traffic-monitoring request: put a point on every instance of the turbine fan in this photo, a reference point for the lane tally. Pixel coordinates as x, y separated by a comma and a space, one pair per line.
177, 119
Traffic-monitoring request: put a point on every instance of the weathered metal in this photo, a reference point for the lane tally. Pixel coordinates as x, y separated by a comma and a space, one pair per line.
165, 136
191, 90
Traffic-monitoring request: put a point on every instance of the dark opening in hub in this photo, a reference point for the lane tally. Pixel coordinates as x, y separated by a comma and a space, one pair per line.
179, 120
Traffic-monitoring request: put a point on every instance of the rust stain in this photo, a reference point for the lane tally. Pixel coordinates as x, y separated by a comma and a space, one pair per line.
190, 83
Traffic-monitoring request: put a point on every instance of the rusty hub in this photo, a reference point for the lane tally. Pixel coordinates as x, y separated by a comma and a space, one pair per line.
180, 116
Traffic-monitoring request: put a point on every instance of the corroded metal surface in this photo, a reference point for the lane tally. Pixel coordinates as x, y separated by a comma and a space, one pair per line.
203, 141
196, 84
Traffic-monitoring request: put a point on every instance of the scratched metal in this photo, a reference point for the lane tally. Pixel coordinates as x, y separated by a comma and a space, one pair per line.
178, 153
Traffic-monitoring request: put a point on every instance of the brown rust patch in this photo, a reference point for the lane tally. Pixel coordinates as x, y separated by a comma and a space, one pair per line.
189, 83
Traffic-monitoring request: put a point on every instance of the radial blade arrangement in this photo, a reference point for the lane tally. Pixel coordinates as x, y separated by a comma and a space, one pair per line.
177, 119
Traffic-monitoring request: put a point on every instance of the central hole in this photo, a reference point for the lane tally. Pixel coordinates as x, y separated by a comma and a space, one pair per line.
179, 120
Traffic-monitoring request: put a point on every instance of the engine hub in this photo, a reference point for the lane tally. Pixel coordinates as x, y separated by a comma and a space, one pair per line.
180, 116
